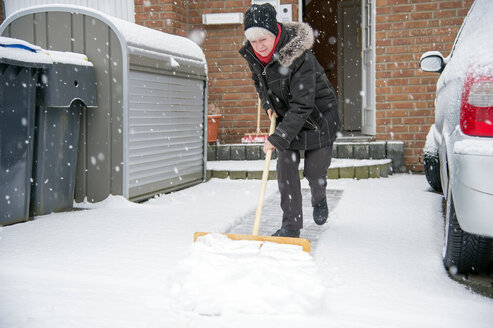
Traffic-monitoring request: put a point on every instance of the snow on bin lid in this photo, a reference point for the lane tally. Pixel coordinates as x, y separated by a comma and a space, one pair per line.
69, 58
146, 38
23, 52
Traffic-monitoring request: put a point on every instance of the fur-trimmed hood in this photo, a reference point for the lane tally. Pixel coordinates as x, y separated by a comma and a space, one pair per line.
300, 36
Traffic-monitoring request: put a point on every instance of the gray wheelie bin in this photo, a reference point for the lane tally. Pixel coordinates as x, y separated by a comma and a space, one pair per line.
65, 89
20, 67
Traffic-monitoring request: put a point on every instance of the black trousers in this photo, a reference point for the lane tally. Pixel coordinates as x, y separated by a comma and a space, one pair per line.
288, 179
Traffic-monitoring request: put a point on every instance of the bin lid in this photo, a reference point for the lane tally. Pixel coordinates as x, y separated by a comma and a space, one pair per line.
21, 53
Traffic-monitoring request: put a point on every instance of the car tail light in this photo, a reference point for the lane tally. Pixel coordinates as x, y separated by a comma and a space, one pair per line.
476, 110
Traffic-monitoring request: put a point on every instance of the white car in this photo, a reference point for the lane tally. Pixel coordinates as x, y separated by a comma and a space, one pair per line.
458, 158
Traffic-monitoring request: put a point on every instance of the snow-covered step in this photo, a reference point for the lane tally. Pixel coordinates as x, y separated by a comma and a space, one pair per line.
339, 169
343, 149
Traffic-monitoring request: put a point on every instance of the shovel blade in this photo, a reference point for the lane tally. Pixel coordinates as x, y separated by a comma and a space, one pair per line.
304, 243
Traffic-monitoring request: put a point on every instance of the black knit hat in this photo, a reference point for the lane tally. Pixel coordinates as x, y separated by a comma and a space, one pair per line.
261, 16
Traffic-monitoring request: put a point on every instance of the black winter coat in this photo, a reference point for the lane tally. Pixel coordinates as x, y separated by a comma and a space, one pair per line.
295, 86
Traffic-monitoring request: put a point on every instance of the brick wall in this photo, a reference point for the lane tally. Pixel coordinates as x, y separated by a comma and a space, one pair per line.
168, 16
1, 12
230, 86
405, 29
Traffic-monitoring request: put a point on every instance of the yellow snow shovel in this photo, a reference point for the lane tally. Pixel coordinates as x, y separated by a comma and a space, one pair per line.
304, 243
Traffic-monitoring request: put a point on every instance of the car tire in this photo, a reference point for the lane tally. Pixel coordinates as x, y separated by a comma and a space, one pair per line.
463, 252
431, 163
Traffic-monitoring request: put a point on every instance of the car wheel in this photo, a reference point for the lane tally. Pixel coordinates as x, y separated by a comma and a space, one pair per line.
431, 163
463, 252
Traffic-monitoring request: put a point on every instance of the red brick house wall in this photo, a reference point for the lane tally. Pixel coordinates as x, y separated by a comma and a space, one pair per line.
405, 29
230, 86
164, 15
1, 12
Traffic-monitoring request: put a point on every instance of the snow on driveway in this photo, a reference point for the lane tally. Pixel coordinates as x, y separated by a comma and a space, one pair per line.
121, 264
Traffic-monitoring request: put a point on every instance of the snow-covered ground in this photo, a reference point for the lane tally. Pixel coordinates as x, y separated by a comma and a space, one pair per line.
120, 264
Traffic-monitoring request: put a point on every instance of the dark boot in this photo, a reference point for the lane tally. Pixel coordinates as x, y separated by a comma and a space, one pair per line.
283, 232
321, 212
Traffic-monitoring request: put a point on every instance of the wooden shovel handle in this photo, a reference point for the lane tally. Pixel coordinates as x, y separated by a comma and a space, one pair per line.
265, 175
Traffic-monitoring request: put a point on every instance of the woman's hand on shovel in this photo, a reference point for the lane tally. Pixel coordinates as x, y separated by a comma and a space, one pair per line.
267, 145
270, 112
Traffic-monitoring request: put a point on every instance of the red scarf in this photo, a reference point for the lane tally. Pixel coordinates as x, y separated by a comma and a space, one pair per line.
265, 60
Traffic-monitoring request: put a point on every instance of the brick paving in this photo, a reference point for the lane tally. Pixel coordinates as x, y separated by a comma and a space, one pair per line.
272, 216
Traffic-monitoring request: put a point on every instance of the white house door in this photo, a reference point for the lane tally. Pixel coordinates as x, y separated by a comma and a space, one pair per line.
368, 73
